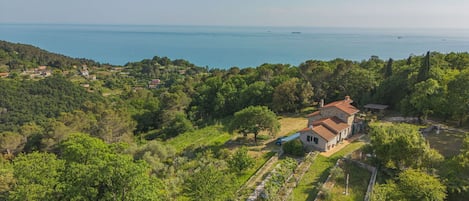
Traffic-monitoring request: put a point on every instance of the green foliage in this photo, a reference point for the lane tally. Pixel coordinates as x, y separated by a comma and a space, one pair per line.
278, 177
35, 101
40, 115
95, 172
412, 184
7, 178
427, 96
418, 185
388, 69
458, 91
388, 191
400, 146
292, 95
37, 177
11, 142
240, 160
209, 183
337, 173
456, 172
294, 147
255, 119
424, 71
20, 56
156, 154
180, 124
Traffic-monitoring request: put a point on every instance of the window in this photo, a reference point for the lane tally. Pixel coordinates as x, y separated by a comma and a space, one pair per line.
316, 140
309, 138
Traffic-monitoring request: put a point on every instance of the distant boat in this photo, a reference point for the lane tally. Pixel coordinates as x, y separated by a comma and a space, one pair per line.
399, 37
295, 32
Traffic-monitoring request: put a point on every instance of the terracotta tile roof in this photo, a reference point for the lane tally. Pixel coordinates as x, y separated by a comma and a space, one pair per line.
324, 132
344, 105
314, 114
332, 123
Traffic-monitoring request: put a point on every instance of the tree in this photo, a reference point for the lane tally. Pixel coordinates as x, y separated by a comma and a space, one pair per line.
418, 185
240, 160
93, 171
426, 97
411, 184
7, 178
257, 93
155, 153
458, 91
177, 125
400, 146
388, 69
388, 191
255, 119
291, 95
456, 172
37, 177
209, 183
424, 71
11, 142
317, 73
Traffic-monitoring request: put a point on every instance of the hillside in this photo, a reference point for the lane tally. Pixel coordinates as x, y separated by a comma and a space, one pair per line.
99, 130
21, 57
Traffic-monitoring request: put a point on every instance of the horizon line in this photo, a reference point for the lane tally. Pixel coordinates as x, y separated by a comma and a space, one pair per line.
218, 25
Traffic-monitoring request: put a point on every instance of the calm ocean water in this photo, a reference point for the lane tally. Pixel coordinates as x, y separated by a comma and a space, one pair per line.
224, 47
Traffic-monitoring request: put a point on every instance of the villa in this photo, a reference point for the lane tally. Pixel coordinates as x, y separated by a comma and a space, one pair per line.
330, 125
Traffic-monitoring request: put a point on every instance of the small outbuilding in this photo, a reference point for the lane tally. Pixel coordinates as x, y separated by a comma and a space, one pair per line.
376, 108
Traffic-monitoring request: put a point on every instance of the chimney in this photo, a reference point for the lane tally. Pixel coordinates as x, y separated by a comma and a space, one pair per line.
311, 126
321, 103
347, 98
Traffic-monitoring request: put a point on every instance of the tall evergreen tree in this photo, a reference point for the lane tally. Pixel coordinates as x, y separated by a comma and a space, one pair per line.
424, 69
388, 69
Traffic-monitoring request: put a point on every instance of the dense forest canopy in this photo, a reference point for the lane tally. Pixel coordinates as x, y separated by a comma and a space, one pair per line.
127, 113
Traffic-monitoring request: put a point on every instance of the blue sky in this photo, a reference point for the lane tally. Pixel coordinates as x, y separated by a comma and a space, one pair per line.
330, 13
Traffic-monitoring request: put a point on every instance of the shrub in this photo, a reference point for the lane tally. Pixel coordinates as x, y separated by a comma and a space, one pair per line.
294, 147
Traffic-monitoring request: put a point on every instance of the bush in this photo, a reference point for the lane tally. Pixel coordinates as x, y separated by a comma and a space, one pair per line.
240, 160
294, 147
337, 173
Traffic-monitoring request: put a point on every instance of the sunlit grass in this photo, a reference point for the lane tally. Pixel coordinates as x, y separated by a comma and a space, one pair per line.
208, 136
308, 187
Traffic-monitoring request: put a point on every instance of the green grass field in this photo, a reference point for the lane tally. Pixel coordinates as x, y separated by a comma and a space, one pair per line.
208, 136
358, 184
447, 142
308, 187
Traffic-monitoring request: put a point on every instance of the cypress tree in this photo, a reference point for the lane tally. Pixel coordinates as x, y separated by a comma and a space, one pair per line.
388, 70
424, 69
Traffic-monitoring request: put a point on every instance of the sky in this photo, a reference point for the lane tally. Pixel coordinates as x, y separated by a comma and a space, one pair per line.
309, 13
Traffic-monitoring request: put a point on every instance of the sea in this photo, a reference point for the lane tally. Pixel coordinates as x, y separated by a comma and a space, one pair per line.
228, 46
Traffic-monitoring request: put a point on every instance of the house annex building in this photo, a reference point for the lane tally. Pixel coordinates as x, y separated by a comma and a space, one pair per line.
330, 125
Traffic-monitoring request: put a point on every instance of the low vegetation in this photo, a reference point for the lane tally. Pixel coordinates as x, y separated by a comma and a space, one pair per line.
311, 183
357, 184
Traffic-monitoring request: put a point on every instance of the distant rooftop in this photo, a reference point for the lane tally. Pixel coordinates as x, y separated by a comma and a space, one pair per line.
375, 106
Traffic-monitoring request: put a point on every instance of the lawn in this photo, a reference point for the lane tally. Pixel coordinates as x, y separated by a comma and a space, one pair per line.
447, 142
358, 183
289, 125
308, 187
208, 136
